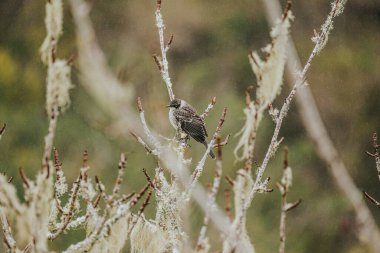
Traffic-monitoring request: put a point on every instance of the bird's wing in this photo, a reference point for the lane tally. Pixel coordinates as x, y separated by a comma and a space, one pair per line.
191, 123
185, 113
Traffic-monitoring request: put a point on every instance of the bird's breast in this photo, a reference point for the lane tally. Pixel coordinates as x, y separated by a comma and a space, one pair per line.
172, 118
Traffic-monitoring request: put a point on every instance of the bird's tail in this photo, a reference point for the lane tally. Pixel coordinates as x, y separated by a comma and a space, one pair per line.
211, 152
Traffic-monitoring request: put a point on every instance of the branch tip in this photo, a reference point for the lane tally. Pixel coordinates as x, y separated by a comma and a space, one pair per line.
286, 161
139, 105
23, 177
170, 41
372, 199
287, 8
85, 158
157, 60
293, 205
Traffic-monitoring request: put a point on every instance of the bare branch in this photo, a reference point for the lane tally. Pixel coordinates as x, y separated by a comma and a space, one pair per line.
208, 109
9, 240
368, 233
202, 241
164, 48
198, 170
283, 186
285, 107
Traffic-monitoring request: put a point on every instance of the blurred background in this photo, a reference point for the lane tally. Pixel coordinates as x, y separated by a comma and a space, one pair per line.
208, 58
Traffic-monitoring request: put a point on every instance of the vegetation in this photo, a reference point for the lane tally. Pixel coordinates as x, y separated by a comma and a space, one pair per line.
103, 210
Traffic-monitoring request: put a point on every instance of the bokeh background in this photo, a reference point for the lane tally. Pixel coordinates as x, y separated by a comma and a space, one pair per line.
208, 58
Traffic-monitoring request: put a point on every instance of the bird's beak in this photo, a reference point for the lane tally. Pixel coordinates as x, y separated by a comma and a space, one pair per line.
168, 106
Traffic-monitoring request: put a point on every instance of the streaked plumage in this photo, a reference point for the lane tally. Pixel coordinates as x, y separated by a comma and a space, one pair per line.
184, 117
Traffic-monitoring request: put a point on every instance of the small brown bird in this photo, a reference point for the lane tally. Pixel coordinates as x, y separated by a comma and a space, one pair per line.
185, 118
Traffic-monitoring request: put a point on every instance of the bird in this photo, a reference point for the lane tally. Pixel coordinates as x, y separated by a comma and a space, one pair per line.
184, 118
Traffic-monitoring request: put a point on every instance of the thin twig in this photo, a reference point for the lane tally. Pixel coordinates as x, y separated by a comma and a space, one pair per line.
138, 138
211, 197
147, 131
119, 178
101, 189
248, 95
164, 69
49, 139
229, 180
368, 232
283, 186
223, 143
139, 195
140, 212
208, 109
220, 123
24, 179
149, 179
9, 240
2, 130
375, 153
372, 199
